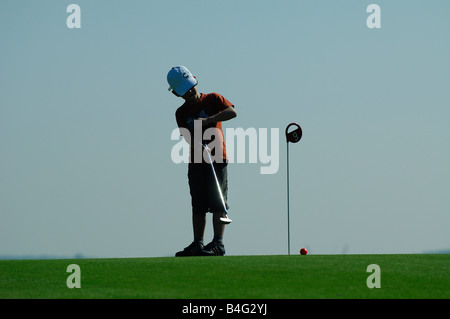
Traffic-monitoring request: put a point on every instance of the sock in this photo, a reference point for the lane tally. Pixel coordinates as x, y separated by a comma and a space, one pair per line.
198, 239
218, 238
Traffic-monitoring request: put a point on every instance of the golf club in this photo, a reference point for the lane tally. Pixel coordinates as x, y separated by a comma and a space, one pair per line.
226, 219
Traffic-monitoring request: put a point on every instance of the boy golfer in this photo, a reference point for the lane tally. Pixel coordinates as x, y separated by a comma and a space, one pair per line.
203, 112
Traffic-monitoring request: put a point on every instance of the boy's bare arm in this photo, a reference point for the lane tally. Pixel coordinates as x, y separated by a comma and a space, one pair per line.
227, 114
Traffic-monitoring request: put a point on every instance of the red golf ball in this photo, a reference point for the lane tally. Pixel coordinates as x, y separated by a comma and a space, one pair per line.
303, 251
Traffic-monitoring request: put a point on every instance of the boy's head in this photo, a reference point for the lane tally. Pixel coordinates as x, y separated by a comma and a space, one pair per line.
181, 80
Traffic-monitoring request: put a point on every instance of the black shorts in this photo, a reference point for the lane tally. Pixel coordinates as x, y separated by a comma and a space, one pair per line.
203, 187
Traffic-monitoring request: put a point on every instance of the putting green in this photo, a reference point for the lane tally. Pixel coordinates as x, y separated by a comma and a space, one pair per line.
231, 277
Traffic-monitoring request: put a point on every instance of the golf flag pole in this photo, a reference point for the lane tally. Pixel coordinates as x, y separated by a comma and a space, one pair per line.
292, 136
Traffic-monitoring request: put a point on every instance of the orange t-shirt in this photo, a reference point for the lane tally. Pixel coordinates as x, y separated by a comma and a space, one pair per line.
207, 105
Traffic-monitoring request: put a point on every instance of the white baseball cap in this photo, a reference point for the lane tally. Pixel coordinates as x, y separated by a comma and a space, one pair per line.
181, 80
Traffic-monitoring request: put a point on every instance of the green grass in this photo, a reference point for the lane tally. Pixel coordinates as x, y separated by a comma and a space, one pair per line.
230, 277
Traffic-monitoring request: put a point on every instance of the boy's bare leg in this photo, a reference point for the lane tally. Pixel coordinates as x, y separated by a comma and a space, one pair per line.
198, 224
216, 247
218, 226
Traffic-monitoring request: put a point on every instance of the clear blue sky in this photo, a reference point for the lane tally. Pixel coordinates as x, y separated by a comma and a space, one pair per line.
86, 119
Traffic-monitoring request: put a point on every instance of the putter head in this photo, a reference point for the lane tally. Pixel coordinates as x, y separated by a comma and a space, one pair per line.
225, 220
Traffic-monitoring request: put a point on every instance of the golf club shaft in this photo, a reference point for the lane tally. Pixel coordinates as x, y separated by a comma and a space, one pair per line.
217, 180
